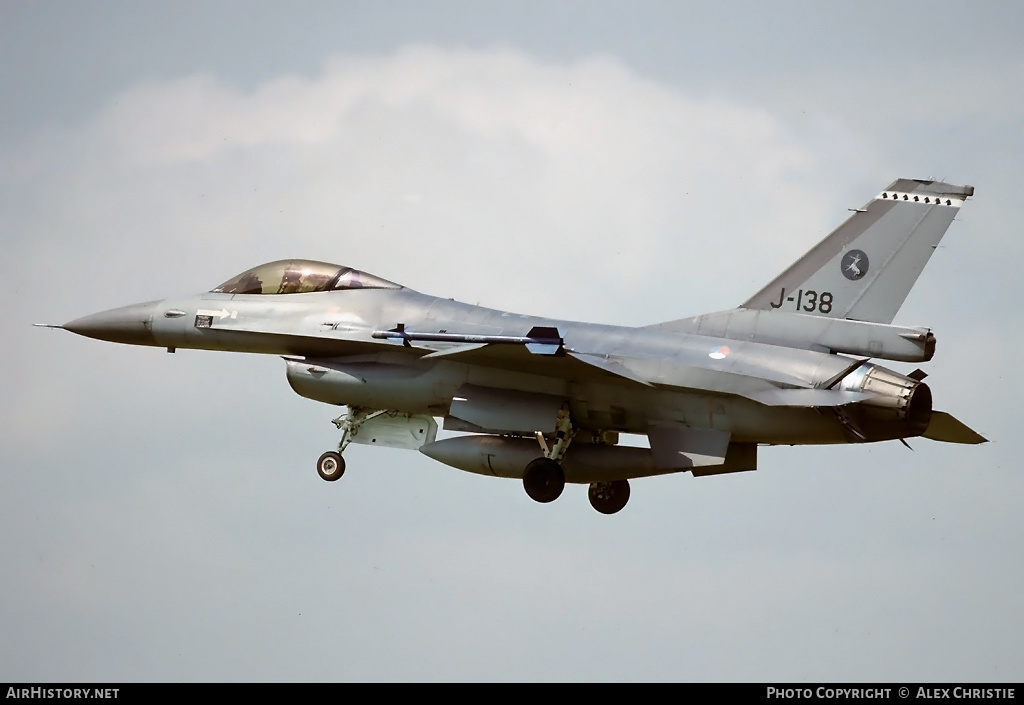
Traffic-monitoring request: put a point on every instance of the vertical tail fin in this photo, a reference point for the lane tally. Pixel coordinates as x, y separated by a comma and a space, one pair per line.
866, 267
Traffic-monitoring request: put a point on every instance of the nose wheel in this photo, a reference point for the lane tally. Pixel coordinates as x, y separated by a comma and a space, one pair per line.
330, 466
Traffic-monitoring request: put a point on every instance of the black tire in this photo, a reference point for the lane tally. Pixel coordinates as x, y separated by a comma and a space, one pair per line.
543, 480
609, 497
330, 466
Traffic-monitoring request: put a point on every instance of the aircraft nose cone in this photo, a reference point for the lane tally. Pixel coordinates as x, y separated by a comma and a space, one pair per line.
129, 324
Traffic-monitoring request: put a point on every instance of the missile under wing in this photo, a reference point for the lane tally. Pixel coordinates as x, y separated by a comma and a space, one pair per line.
544, 400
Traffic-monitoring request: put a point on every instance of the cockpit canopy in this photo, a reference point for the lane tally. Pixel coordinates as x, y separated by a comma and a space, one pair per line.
301, 276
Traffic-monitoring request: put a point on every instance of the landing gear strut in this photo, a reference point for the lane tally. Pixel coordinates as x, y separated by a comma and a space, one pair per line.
331, 465
544, 478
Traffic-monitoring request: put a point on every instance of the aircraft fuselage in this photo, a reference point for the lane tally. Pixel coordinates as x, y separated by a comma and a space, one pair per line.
694, 380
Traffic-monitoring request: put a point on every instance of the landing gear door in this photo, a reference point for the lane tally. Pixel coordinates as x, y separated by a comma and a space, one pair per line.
396, 430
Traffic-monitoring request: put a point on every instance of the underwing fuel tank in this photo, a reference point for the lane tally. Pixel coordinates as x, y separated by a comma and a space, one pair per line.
900, 408
372, 384
583, 463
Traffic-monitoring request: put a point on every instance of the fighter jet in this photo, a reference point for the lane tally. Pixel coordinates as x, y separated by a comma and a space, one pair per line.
544, 400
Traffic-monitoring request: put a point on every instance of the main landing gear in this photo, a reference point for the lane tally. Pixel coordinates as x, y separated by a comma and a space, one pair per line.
609, 497
544, 479
331, 466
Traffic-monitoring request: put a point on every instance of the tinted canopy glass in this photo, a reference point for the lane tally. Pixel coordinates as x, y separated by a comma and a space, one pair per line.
300, 276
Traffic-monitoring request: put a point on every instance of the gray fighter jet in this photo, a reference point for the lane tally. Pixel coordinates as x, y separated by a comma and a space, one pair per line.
544, 400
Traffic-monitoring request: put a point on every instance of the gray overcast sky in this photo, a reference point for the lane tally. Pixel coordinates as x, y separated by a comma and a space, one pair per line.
160, 515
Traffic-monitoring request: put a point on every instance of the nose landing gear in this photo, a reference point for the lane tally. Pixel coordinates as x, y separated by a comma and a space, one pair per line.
331, 466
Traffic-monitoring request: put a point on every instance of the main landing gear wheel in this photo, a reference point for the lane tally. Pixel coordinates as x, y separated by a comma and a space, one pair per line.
609, 497
543, 480
331, 466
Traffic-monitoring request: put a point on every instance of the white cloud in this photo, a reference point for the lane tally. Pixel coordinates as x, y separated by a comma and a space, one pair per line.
578, 189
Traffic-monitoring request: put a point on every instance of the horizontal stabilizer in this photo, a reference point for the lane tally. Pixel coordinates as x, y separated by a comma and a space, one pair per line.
944, 427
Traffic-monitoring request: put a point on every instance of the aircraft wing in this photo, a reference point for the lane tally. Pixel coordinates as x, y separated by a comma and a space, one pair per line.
568, 365
542, 351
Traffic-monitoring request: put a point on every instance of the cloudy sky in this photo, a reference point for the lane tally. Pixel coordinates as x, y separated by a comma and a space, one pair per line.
160, 515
